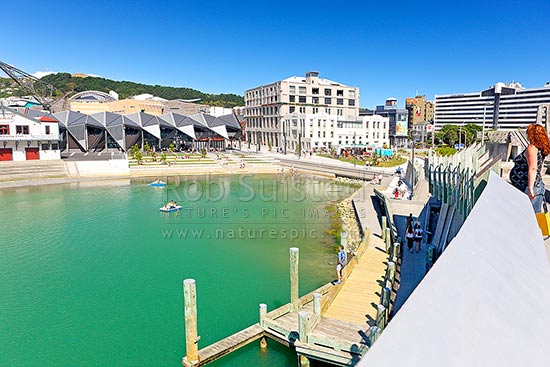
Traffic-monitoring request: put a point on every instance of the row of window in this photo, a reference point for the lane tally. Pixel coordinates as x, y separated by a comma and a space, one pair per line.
20, 129
315, 100
315, 91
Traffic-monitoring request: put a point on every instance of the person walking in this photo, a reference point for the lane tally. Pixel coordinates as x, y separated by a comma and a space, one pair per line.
418, 234
526, 173
409, 235
342, 258
380, 179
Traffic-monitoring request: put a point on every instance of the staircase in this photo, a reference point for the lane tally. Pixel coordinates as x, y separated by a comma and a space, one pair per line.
24, 170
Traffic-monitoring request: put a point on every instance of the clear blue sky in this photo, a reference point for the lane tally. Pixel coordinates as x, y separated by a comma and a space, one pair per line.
387, 49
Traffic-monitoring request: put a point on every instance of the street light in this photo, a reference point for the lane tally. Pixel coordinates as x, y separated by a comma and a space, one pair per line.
483, 126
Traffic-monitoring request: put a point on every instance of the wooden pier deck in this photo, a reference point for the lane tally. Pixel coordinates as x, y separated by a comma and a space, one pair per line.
335, 323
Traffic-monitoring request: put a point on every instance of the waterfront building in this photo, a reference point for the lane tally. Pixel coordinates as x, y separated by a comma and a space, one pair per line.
267, 105
502, 106
398, 120
321, 130
24, 137
107, 130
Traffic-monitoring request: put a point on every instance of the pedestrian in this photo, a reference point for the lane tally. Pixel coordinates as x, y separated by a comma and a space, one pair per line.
526, 173
410, 219
409, 235
342, 258
380, 179
418, 234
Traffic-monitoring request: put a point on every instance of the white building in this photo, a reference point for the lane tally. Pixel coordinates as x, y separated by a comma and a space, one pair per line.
25, 138
266, 105
503, 106
321, 130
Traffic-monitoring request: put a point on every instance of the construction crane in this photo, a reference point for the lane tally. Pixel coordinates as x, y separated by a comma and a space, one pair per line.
45, 93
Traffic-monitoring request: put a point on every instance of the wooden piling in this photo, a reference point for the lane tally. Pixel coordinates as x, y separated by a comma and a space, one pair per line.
294, 257
388, 239
386, 292
384, 225
303, 326
190, 311
391, 270
317, 304
374, 334
263, 313
381, 317
263, 343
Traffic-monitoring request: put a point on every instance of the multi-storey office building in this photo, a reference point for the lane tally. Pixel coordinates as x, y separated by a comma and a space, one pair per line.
503, 106
398, 120
266, 105
317, 131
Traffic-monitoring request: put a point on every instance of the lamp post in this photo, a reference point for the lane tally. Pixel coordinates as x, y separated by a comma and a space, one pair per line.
483, 126
284, 133
352, 149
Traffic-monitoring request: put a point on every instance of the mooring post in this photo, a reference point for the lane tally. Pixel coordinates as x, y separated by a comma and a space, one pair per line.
190, 311
317, 304
396, 250
294, 257
391, 271
381, 317
388, 240
386, 292
263, 314
374, 334
384, 225
303, 326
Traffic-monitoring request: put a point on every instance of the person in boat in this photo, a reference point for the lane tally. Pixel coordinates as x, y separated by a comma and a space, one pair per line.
156, 180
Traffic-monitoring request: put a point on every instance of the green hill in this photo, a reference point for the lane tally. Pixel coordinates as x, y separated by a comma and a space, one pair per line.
65, 82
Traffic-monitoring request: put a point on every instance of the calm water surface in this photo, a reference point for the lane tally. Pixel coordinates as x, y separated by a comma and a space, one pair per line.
91, 273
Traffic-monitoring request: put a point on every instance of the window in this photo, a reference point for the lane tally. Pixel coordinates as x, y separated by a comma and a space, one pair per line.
315, 91
340, 101
292, 98
55, 146
351, 102
327, 101
47, 129
327, 92
301, 90
292, 109
315, 100
339, 93
22, 129
302, 99
292, 89
302, 110
45, 146
4, 129
315, 109
327, 110
352, 94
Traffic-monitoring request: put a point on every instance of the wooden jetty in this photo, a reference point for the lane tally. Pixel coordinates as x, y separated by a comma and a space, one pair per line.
335, 323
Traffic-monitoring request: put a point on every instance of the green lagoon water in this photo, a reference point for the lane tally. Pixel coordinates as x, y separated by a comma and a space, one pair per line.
91, 273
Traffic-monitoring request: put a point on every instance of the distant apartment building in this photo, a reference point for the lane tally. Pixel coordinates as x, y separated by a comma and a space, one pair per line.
266, 106
398, 122
421, 114
503, 106
321, 130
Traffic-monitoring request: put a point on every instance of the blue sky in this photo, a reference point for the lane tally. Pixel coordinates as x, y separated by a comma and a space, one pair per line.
387, 49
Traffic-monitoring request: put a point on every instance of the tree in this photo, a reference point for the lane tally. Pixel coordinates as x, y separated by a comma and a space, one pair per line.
163, 158
139, 157
172, 148
133, 151
146, 147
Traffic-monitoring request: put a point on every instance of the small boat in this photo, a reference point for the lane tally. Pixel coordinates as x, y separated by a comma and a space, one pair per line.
170, 208
158, 184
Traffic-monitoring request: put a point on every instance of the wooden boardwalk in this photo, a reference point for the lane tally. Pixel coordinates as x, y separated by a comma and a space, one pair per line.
335, 323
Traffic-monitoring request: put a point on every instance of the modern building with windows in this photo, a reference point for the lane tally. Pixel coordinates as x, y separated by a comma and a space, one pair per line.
503, 106
398, 119
323, 131
267, 105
